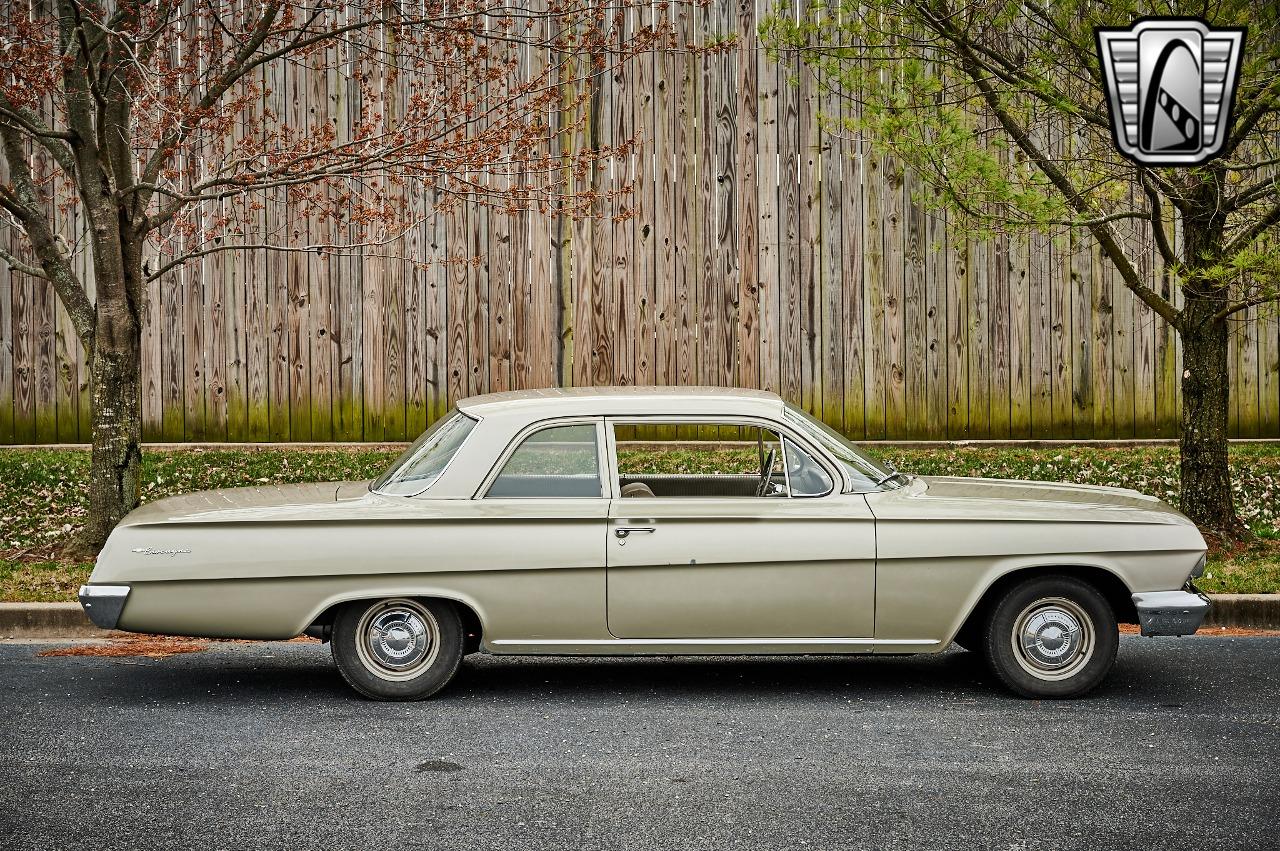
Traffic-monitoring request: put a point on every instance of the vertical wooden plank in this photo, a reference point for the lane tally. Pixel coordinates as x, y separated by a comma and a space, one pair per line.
415, 282
522, 331
254, 313
320, 272
299, 285
1124, 332
789, 213
958, 338
707, 253
998, 320
1061, 349
498, 265
478, 304
874, 289
979, 347
192, 352
769, 77
457, 305
1041, 284
669, 170
277, 278
747, 198
853, 242
1245, 339
213, 271
598, 250
810, 245
1020, 405
727, 191
582, 243
831, 305
235, 287
545, 343
627, 299
687, 211
436, 307
915, 339
894, 277
1102, 313
1269, 373
1083, 336
1147, 372
642, 229
937, 269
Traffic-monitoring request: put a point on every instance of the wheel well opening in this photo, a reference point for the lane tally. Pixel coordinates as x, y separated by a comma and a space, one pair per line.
1107, 583
472, 629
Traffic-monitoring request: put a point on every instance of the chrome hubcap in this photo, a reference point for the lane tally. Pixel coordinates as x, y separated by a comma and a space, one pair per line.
1053, 639
397, 639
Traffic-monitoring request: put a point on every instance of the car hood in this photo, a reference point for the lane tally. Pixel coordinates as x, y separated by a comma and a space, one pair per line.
1013, 499
232, 502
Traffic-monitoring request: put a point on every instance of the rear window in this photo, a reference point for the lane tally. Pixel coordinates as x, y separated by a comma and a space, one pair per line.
423, 462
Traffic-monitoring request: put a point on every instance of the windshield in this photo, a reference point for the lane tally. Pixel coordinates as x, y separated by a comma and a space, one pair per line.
864, 470
424, 461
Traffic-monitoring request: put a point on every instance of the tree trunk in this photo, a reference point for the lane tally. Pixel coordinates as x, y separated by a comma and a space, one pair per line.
1206, 393
115, 376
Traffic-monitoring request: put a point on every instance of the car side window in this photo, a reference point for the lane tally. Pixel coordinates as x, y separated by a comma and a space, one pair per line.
677, 460
560, 461
804, 474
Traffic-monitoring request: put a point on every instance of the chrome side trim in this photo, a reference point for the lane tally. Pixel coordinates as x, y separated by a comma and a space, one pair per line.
1171, 612
650, 642
104, 603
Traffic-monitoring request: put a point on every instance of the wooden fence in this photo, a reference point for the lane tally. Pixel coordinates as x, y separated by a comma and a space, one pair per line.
764, 252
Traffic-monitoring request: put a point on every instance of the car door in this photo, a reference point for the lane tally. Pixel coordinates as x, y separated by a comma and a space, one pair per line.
540, 516
740, 566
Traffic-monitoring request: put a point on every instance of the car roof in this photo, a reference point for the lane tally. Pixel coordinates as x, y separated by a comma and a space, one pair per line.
624, 401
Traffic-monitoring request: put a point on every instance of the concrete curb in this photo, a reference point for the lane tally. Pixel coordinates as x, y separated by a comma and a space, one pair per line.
47, 620
1247, 611
68, 620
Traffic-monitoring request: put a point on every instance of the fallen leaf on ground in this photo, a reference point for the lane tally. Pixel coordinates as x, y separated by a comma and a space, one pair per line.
153, 647
1232, 631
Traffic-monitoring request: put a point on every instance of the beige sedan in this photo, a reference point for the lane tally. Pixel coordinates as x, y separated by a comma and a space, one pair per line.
671, 521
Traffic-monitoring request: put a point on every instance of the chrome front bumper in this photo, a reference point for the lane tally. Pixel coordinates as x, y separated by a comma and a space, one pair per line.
1171, 612
104, 603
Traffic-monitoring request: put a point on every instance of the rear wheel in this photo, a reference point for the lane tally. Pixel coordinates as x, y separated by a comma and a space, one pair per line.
399, 648
1051, 637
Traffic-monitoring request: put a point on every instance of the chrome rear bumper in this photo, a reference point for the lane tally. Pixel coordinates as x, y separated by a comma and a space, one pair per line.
1171, 612
104, 603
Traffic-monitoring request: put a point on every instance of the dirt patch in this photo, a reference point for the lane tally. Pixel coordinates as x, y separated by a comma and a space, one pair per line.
1229, 631
151, 646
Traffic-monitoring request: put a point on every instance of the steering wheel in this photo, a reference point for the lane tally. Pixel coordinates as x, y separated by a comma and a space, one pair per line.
766, 472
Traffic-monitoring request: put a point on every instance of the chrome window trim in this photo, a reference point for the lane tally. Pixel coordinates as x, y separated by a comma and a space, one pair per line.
529, 430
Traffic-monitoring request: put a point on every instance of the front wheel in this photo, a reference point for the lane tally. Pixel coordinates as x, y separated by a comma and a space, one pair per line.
1051, 637
398, 648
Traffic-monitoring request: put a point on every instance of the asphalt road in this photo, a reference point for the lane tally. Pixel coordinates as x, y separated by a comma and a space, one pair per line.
262, 746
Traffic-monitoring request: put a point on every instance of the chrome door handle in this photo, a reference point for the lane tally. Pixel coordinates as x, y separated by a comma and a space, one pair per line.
624, 531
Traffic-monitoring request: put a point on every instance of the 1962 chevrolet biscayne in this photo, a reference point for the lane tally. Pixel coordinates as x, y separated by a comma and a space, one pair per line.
655, 521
